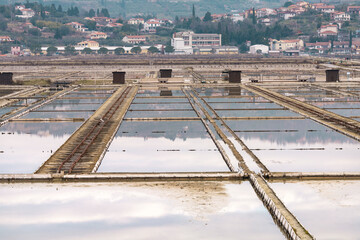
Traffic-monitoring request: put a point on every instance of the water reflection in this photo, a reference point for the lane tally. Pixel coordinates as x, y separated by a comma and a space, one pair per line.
244, 105
224, 91
160, 92
328, 209
70, 106
328, 99
257, 113
15, 105
302, 125
25, 146
158, 114
182, 210
346, 112
78, 101
160, 106
337, 104
298, 145
237, 100
85, 95
58, 115
162, 147
6, 110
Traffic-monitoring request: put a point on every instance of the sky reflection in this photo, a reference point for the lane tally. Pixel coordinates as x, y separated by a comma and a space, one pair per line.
162, 147
182, 210
25, 146
328, 209
299, 145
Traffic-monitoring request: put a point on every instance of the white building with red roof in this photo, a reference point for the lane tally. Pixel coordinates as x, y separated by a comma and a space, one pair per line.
328, 30
79, 27
88, 44
151, 25
97, 35
237, 17
321, 47
136, 21
353, 9
114, 25
287, 15
134, 39
340, 16
217, 17
303, 4
26, 13
326, 8
263, 12
5, 39
284, 45
316, 5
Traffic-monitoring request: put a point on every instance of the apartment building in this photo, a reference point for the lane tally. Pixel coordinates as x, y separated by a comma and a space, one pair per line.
284, 45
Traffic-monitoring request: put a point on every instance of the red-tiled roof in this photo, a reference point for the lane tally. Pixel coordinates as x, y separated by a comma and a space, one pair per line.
328, 32
291, 40
136, 36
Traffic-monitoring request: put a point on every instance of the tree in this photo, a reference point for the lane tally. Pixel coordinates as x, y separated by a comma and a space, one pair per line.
105, 12
288, 3
35, 48
253, 17
64, 30
207, 17
164, 31
3, 24
169, 49
119, 51
243, 48
103, 50
91, 13
34, 32
153, 49
70, 50
73, 11
129, 29
86, 51
5, 11
60, 9
350, 40
135, 50
61, 31
193, 11
76, 12
51, 50
225, 36
57, 34
53, 10
91, 25
5, 48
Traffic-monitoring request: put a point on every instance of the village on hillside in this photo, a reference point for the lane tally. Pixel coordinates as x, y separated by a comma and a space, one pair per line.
297, 28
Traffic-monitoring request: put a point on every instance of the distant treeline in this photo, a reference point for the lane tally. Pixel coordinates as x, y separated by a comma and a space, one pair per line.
162, 9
